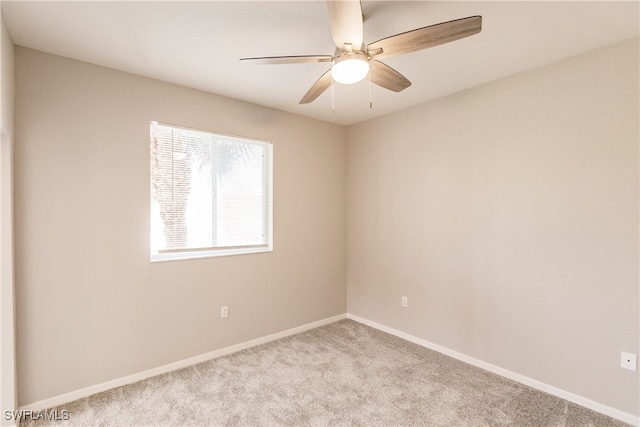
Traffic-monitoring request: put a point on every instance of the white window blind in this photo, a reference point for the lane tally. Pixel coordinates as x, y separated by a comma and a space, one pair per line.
210, 194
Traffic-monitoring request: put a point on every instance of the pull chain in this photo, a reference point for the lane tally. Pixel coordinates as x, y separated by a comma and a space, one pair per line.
333, 104
370, 102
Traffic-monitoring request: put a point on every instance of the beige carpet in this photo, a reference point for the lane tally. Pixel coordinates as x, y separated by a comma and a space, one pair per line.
342, 374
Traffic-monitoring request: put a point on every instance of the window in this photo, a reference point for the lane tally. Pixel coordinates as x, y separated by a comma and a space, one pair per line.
211, 195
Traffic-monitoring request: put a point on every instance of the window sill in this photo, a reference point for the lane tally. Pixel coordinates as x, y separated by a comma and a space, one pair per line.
214, 253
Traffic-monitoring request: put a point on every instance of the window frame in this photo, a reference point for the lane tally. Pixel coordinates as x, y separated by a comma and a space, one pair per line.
221, 251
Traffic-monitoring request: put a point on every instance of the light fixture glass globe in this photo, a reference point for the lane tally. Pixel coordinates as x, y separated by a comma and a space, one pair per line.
350, 70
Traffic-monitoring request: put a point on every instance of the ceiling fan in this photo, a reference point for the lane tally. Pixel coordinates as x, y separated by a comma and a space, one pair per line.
353, 60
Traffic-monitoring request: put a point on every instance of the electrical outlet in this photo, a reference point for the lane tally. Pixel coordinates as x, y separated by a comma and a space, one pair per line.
404, 302
224, 311
628, 361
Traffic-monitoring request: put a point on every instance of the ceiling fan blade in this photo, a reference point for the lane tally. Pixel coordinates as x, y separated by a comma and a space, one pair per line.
289, 59
387, 77
318, 87
345, 19
426, 37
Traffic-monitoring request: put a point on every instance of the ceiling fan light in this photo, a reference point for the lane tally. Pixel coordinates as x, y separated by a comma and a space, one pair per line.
351, 69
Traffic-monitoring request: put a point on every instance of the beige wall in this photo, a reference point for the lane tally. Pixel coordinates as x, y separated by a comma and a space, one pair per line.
8, 399
508, 215
90, 305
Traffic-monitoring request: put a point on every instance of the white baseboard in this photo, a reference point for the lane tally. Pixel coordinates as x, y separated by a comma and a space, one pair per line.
88, 391
571, 397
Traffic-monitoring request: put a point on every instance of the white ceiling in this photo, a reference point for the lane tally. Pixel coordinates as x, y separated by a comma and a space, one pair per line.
198, 44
